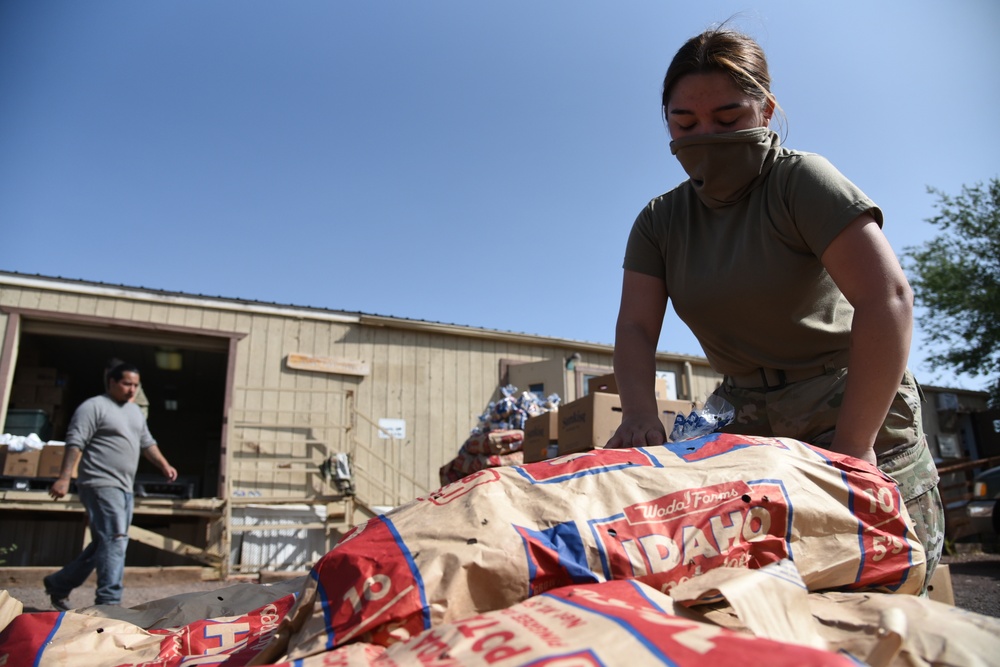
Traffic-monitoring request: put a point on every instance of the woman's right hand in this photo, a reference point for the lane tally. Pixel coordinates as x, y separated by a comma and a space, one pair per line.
644, 301
638, 431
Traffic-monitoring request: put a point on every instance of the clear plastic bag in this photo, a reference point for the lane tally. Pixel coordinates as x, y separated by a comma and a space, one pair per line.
717, 413
512, 410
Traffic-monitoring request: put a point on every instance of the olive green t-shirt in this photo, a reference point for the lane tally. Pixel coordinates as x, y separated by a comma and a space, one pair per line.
747, 278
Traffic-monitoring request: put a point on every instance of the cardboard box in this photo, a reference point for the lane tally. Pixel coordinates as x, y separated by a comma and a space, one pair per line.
21, 464
22, 395
46, 395
589, 422
539, 433
939, 588
608, 385
670, 409
37, 375
602, 383
494, 443
50, 461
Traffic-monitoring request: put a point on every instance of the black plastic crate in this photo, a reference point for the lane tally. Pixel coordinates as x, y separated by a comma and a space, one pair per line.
27, 484
151, 487
25, 422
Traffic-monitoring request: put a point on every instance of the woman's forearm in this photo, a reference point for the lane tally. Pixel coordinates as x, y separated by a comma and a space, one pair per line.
635, 369
880, 345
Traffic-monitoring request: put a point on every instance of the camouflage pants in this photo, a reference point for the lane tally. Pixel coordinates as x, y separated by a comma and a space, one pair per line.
808, 411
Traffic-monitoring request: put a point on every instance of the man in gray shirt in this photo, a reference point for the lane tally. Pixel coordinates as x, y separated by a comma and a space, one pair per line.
105, 437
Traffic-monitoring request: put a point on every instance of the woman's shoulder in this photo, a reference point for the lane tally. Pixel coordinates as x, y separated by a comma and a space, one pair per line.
792, 163
670, 200
808, 176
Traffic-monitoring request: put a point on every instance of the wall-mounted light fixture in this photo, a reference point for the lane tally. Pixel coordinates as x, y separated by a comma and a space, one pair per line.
169, 359
572, 360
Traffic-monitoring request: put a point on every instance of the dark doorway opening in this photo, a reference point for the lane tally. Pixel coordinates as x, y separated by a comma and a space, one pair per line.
183, 378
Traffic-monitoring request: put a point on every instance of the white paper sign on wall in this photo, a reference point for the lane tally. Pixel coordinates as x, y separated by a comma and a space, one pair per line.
391, 428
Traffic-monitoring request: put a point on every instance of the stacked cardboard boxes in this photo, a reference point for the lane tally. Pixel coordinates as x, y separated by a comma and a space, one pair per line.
607, 384
20, 464
38, 405
41, 388
44, 463
50, 462
589, 422
540, 434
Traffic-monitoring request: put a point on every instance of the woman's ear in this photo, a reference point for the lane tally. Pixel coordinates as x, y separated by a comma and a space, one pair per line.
769, 105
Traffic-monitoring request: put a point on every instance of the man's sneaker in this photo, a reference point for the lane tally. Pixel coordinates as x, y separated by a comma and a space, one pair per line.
62, 604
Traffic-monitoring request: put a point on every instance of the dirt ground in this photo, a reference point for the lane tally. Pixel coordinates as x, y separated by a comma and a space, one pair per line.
975, 579
141, 585
975, 576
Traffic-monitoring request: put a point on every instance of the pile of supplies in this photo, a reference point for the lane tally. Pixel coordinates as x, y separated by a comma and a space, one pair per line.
28, 456
496, 440
721, 549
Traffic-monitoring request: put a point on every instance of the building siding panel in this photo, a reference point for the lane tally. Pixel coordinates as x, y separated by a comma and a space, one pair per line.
438, 382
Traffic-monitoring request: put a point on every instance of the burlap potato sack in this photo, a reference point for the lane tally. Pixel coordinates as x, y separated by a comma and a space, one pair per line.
610, 623
656, 515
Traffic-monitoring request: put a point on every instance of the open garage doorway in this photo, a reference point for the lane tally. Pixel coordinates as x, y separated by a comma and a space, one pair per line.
51, 362
61, 364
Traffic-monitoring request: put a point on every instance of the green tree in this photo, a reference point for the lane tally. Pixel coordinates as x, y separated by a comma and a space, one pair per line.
956, 280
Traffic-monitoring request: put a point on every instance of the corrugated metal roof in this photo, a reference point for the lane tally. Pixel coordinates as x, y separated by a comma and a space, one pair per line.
162, 292
360, 316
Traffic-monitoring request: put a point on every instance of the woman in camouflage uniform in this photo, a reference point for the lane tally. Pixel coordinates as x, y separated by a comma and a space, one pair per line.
779, 266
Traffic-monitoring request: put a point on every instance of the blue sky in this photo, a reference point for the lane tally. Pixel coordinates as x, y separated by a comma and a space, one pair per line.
477, 163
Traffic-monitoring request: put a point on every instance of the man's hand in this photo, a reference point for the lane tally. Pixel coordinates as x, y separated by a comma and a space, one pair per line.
169, 472
640, 431
154, 456
71, 457
59, 488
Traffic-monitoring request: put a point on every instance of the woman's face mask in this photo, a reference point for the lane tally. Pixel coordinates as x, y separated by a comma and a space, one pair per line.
724, 167
719, 134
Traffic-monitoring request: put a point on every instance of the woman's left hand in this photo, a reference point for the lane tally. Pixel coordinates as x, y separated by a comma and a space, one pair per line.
866, 454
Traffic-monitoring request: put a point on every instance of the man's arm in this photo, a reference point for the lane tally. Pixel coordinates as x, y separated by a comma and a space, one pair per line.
154, 456
60, 487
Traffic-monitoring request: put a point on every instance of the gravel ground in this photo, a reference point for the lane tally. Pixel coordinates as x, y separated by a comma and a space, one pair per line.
141, 585
975, 576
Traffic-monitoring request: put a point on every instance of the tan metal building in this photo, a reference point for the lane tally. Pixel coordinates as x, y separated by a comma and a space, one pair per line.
248, 400
257, 405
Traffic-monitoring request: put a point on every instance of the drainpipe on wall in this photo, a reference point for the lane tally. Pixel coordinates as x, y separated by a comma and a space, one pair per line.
689, 380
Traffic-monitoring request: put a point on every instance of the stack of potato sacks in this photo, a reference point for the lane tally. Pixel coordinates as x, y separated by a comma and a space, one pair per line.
719, 550
496, 440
